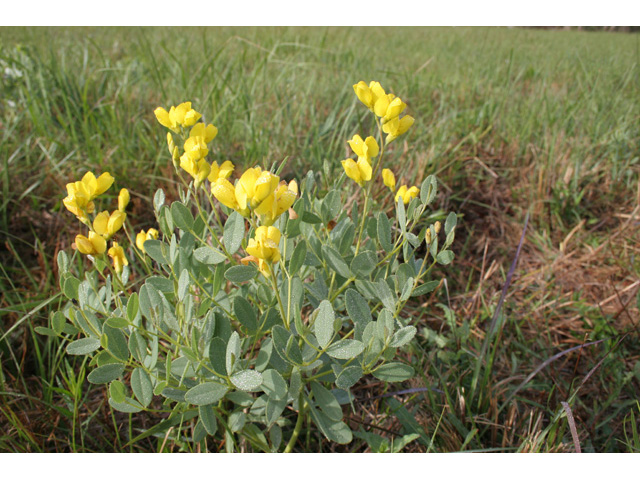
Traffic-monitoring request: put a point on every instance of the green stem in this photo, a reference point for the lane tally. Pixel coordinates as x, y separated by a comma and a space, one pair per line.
298, 428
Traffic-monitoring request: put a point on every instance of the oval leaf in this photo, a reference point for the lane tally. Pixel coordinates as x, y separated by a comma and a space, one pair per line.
205, 393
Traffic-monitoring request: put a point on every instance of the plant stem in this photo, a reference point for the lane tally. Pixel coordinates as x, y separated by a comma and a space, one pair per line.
298, 427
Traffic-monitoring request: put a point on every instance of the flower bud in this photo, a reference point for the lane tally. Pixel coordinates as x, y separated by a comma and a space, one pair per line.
123, 199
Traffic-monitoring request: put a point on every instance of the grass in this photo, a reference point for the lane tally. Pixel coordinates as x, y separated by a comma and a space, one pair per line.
512, 121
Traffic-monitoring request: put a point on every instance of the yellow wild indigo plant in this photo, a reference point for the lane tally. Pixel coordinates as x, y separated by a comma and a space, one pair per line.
255, 305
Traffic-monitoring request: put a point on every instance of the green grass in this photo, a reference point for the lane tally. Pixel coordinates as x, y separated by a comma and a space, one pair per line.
511, 120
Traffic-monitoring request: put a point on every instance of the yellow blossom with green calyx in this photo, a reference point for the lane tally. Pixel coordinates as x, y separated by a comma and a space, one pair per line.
275, 205
208, 132
360, 171
151, 234
116, 252
406, 194
123, 199
254, 187
107, 225
264, 247
93, 245
181, 116
223, 171
364, 148
396, 127
389, 179
369, 94
197, 168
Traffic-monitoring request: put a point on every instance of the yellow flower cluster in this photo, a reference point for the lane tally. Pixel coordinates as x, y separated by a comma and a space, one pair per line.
403, 192
386, 106
195, 144
80, 201
259, 191
263, 248
361, 171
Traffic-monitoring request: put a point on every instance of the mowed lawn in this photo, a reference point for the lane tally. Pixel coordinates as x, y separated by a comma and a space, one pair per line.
519, 125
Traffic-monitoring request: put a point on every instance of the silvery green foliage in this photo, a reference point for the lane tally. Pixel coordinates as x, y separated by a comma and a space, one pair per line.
212, 340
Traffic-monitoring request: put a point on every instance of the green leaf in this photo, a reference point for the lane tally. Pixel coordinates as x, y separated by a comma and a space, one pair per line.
175, 394
428, 190
323, 326
384, 232
403, 336
358, 310
117, 322
393, 372
349, 377
208, 419
183, 284
445, 257
450, 223
205, 393
106, 373
58, 321
385, 294
132, 307
181, 217
274, 385
407, 289
233, 232
158, 200
240, 273
308, 217
209, 255
137, 346
297, 259
245, 313
70, 287
142, 386
345, 349
337, 432
117, 343
117, 391
326, 401
83, 346
237, 421
128, 406
233, 352
157, 250
402, 216
274, 410
335, 261
364, 263
425, 288
247, 380
62, 262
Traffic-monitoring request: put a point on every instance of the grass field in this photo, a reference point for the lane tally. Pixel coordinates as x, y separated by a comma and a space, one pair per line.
522, 127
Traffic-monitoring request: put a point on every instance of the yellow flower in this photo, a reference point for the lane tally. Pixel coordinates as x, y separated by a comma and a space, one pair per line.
254, 187
406, 194
207, 132
369, 94
278, 203
264, 247
116, 252
389, 107
225, 192
223, 171
195, 148
181, 116
107, 225
359, 172
151, 234
389, 179
94, 245
396, 127
198, 169
364, 148
123, 199
80, 195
